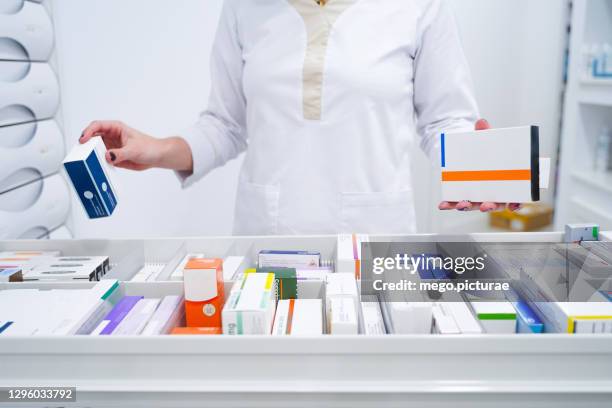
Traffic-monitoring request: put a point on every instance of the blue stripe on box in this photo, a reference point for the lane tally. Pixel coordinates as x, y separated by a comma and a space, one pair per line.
104, 187
5, 326
443, 149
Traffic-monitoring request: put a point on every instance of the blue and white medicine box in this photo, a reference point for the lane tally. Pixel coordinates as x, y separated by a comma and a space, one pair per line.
89, 173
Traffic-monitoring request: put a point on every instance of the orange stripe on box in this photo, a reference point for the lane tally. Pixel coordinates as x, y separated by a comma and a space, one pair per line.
487, 175
290, 317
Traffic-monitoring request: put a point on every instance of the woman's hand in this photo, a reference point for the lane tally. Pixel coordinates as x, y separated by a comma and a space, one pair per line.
482, 124
131, 149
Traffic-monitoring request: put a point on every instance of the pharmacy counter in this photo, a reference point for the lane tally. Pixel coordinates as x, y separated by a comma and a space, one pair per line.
550, 370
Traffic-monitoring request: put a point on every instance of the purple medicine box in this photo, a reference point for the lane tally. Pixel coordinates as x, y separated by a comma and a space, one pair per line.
115, 316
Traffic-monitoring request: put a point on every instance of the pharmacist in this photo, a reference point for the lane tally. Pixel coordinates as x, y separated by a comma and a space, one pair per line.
327, 99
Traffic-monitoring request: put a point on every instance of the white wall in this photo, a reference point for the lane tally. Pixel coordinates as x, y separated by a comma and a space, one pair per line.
146, 62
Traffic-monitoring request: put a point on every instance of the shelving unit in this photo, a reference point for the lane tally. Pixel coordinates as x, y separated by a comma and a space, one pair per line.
583, 194
335, 371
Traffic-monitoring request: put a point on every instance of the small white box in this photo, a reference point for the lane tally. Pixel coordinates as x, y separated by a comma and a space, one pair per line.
498, 165
298, 317
454, 318
289, 259
251, 305
373, 323
411, 317
341, 286
90, 175
231, 266
342, 316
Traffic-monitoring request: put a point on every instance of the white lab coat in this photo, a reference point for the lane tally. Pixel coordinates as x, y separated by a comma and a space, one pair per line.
393, 73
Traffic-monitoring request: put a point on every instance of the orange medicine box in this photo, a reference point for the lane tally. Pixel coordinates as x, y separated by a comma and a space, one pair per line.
196, 331
204, 292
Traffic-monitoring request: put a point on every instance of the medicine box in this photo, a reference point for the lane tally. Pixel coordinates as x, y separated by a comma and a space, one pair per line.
137, 318
527, 321
348, 258
116, 316
197, 331
411, 317
454, 318
341, 285
498, 165
373, 323
298, 317
251, 305
289, 259
69, 268
581, 232
204, 292
342, 316
286, 281
11, 275
89, 173
495, 317
231, 267
169, 314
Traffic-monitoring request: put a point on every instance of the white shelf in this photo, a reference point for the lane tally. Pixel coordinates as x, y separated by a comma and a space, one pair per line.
600, 181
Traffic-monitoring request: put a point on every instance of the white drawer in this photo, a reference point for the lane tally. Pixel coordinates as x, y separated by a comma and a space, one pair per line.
29, 152
26, 32
35, 209
28, 92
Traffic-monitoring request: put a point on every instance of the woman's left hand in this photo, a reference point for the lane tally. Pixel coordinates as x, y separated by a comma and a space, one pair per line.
482, 124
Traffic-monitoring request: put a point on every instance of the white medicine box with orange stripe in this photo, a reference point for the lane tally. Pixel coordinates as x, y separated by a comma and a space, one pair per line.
298, 317
497, 165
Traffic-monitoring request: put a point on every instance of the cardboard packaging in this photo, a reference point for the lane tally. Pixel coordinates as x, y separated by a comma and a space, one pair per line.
286, 281
169, 314
342, 285
298, 317
373, 323
348, 253
116, 316
530, 217
251, 305
527, 320
195, 331
11, 275
69, 268
342, 316
289, 259
411, 317
454, 318
495, 317
498, 165
581, 232
137, 318
90, 175
576, 317
177, 274
231, 267
204, 292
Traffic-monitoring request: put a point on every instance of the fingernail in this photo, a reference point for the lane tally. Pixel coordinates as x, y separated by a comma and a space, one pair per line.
82, 134
113, 156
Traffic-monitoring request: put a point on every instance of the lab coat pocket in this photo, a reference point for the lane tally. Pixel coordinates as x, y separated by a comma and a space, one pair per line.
378, 213
256, 209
